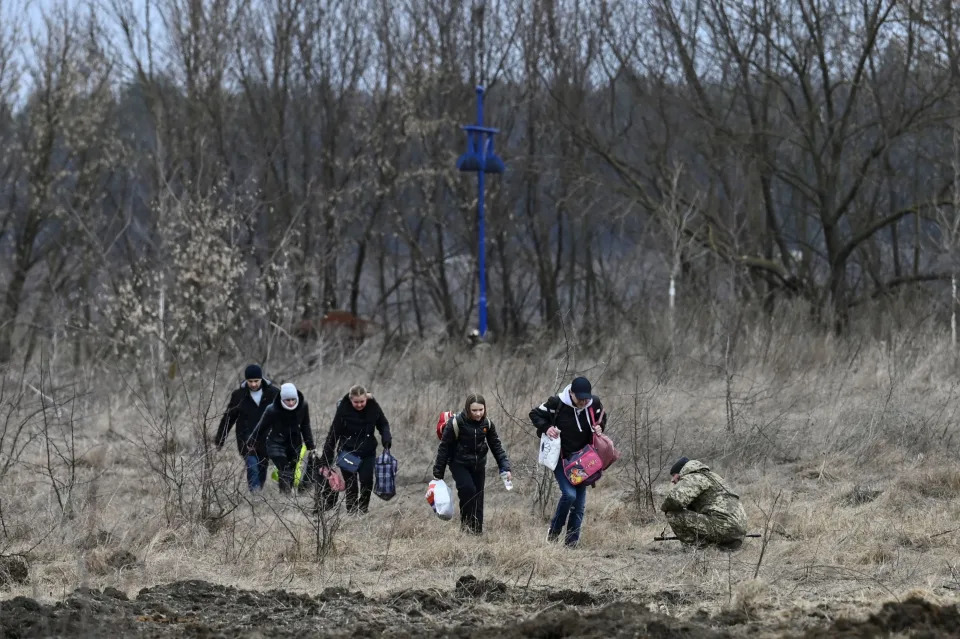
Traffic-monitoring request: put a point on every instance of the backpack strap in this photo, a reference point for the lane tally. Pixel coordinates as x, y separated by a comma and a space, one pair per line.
456, 426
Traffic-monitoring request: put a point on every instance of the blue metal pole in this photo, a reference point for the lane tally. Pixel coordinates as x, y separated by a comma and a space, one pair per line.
482, 259
482, 158
481, 255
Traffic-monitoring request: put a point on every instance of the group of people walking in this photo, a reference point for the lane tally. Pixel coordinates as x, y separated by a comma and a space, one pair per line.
273, 424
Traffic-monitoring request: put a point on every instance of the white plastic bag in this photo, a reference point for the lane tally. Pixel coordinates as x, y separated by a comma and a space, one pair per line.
549, 451
439, 497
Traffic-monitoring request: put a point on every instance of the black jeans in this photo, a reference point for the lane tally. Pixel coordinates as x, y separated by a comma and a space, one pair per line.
359, 485
470, 481
285, 458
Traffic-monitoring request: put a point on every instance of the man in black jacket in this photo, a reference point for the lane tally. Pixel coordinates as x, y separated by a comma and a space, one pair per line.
358, 416
574, 416
285, 427
244, 409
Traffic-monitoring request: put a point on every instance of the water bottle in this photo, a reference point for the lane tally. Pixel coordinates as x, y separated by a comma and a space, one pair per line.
507, 483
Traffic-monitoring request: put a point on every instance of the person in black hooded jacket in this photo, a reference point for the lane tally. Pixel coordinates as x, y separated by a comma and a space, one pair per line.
574, 416
245, 408
285, 427
358, 415
464, 443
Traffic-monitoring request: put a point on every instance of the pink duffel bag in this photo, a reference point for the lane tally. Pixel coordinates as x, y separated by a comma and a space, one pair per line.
605, 449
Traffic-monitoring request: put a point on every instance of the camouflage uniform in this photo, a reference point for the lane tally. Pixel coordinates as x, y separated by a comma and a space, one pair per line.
701, 509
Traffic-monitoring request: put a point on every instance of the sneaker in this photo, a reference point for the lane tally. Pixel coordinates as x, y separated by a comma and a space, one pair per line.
553, 536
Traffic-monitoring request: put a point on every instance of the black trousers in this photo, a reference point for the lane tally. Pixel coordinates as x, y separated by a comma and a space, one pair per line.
284, 456
470, 482
359, 485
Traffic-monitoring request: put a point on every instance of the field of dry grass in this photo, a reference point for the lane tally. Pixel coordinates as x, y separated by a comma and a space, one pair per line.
844, 453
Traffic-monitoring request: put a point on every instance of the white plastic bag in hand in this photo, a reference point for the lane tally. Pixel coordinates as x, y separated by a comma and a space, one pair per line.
439, 497
549, 451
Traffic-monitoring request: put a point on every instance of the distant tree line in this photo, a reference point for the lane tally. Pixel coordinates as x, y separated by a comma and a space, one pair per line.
199, 173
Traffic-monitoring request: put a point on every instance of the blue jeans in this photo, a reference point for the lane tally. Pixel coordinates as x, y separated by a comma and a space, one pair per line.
573, 502
256, 471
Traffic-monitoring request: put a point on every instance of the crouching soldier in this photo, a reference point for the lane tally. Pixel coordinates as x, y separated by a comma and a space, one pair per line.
701, 509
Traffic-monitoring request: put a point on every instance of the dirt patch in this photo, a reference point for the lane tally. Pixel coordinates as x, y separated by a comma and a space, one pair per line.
912, 618
201, 609
205, 610
490, 589
620, 619
572, 597
418, 602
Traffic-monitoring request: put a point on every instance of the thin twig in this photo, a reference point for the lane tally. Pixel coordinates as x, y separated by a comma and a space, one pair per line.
766, 532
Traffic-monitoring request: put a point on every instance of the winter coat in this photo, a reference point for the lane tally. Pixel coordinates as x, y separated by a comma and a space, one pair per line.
245, 413
287, 429
575, 424
701, 508
470, 448
352, 430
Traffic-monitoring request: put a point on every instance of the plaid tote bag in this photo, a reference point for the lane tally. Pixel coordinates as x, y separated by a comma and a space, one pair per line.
385, 485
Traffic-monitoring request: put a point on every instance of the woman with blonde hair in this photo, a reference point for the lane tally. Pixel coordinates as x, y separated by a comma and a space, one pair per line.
352, 431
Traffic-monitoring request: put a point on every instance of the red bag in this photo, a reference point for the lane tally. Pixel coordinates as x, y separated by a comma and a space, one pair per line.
334, 478
445, 417
603, 444
605, 448
584, 466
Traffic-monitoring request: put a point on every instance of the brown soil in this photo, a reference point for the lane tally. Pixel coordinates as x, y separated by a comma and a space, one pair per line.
473, 608
913, 617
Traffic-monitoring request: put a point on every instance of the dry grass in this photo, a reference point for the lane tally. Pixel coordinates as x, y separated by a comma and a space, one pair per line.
859, 445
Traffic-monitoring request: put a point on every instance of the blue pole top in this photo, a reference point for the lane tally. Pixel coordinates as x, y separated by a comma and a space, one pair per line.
480, 155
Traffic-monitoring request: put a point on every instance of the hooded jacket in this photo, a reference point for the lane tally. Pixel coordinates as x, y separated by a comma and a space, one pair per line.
352, 429
245, 413
575, 424
702, 491
287, 428
470, 448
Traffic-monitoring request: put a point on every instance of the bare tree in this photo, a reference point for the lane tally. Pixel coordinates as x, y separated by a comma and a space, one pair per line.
799, 102
67, 152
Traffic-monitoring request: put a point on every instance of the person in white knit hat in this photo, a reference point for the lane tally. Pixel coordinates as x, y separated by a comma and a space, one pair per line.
285, 426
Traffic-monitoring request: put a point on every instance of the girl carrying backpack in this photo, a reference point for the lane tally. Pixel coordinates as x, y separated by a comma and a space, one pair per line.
464, 444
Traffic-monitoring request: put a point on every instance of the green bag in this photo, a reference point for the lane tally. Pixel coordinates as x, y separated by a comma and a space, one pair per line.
298, 471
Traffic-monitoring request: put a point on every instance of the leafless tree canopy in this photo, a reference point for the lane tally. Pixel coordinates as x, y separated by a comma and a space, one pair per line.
192, 174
